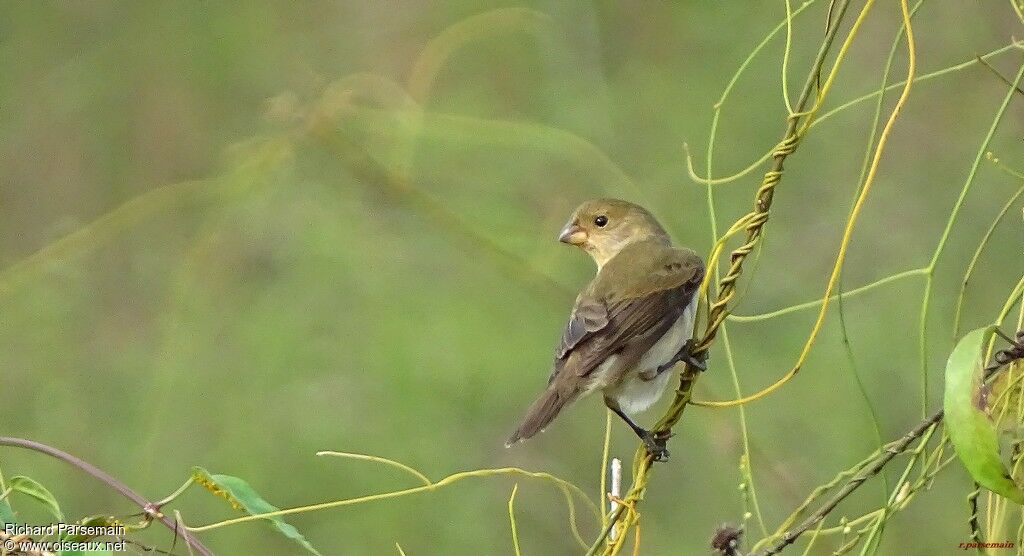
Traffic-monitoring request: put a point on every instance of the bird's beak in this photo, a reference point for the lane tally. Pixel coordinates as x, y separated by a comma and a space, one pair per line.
573, 234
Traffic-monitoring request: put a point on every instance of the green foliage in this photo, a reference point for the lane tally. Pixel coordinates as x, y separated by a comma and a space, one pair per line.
37, 492
242, 496
969, 421
6, 513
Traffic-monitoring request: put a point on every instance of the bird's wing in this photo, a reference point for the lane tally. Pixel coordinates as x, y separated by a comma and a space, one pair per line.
588, 316
630, 304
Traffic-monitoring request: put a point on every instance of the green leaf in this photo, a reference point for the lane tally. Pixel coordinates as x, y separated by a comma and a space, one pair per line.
6, 513
39, 493
242, 496
968, 423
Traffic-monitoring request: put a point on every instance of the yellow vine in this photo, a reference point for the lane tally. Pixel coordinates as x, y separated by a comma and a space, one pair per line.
850, 224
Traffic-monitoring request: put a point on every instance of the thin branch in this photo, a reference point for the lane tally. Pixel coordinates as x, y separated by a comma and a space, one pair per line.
818, 302
568, 490
1000, 360
151, 509
512, 519
791, 536
999, 74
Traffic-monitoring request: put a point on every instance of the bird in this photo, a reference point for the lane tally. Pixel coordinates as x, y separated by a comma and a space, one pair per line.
629, 326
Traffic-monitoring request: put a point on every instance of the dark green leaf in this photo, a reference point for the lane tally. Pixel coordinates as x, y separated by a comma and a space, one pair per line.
968, 422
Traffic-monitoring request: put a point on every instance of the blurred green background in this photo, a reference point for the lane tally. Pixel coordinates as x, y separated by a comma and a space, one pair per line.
312, 264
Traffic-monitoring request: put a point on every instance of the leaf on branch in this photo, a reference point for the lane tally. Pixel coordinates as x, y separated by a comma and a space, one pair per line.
6, 513
241, 496
970, 427
31, 488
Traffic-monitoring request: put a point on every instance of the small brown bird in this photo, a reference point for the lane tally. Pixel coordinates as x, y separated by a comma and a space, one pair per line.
630, 325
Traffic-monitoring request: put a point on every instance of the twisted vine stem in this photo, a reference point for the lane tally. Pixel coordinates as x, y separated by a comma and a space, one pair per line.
755, 222
798, 123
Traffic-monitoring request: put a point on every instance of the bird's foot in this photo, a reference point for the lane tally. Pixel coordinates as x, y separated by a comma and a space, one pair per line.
687, 356
697, 361
655, 442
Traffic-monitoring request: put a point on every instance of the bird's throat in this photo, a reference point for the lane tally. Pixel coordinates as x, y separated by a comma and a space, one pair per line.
610, 246
605, 251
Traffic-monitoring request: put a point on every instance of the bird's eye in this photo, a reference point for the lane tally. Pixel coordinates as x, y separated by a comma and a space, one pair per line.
601, 221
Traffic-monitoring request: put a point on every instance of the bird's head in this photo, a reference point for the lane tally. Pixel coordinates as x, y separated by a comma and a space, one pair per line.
602, 227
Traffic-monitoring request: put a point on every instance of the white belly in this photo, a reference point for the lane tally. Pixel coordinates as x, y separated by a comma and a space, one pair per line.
635, 394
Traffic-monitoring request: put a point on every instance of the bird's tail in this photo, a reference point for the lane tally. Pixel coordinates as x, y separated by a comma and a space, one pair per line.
542, 412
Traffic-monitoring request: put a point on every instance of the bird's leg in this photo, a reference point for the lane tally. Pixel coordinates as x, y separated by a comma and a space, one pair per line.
655, 443
687, 356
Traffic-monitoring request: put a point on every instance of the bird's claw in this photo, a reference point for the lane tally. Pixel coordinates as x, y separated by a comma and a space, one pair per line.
687, 356
655, 442
699, 362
